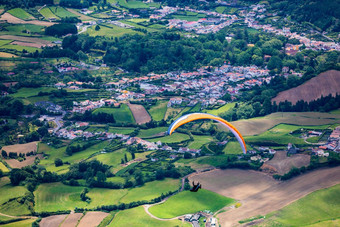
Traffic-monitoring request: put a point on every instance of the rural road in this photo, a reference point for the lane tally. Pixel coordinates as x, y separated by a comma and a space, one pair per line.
23, 217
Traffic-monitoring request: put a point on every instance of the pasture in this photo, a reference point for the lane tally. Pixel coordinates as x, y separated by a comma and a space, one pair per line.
188, 16
29, 92
21, 48
122, 114
137, 217
112, 158
158, 111
7, 191
47, 13
15, 20
187, 202
144, 133
174, 138
61, 12
4, 42
255, 126
322, 205
233, 147
135, 4
199, 141
109, 30
121, 130
3, 168
23, 223
7, 55
20, 13
220, 110
140, 114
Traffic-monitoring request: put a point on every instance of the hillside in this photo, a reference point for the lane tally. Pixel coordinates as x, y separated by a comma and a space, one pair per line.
322, 85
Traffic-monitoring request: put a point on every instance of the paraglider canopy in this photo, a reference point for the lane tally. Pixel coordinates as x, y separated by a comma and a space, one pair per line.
201, 116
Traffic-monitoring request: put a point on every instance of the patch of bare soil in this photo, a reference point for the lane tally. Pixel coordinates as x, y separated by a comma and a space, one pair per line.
52, 221
37, 45
72, 220
26, 39
14, 20
322, 85
21, 148
283, 164
260, 194
92, 219
13, 163
139, 113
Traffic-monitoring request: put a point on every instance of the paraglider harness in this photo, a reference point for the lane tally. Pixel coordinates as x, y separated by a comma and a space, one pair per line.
195, 187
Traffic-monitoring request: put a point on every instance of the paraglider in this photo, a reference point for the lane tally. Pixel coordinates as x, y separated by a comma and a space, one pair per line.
201, 116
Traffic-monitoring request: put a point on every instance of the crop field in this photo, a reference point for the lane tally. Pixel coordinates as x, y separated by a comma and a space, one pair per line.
20, 13
21, 48
151, 132
135, 4
280, 134
92, 218
71, 220
187, 202
15, 20
7, 55
3, 168
255, 126
80, 15
13, 163
122, 114
54, 220
7, 191
220, 9
47, 13
189, 16
41, 41
4, 42
199, 141
140, 114
61, 12
56, 196
233, 147
109, 30
137, 217
322, 205
17, 31
261, 194
113, 158
158, 111
121, 130
174, 138
23, 223
21, 148
220, 110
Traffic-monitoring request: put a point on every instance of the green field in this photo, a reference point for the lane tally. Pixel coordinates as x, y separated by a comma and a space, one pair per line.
187, 202
61, 12
319, 206
20, 13
137, 217
109, 30
7, 191
122, 114
233, 147
47, 13
220, 110
135, 4
174, 138
118, 130
199, 141
152, 131
3, 168
17, 29
23, 223
20, 48
28, 92
113, 158
220, 9
4, 42
280, 134
57, 196
158, 111
189, 16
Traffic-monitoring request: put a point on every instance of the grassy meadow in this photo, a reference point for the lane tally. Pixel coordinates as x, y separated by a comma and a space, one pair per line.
199, 141
20, 13
220, 110
174, 138
187, 202
314, 209
152, 131
137, 217
3, 168
47, 13
122, 114
158, 111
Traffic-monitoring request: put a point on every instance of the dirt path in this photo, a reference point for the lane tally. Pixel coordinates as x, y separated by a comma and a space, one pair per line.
259, 194
23, 217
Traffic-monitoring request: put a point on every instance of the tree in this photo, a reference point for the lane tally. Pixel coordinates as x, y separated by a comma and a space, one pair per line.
97, 28
101, 177
4, 153
275, 63
125, 158
187, 155
58, 162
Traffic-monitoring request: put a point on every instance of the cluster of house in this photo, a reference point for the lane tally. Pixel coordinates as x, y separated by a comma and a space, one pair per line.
74, 85
49, 106
257, 12
333, 141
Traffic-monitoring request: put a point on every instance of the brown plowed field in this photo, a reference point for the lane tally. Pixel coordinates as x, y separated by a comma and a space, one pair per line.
92, 219
21, 148
260, 194
324, 84
72, 220
13, 163
52, 221
36, 45
139, 113
26, 39
14, 20
283, 164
